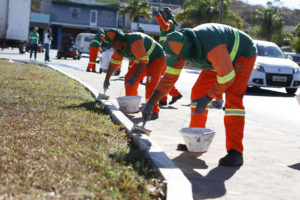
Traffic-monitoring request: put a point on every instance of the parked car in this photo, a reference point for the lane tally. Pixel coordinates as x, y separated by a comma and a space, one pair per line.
273, 69
294, 56
83, 41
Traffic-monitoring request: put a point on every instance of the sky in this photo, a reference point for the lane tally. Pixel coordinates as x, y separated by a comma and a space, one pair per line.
292, 4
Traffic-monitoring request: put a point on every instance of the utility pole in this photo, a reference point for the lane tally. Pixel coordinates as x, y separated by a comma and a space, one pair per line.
221, 12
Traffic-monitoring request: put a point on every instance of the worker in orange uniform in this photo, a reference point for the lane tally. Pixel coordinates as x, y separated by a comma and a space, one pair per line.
146, 53
94, 49
167, 25
226, 56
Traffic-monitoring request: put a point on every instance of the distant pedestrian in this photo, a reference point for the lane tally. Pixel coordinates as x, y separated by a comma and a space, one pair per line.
34, 41
48, 40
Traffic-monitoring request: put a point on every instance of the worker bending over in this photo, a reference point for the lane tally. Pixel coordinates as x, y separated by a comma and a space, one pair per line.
226, 57
146, 53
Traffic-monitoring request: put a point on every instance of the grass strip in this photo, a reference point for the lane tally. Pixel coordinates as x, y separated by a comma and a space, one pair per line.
56, 142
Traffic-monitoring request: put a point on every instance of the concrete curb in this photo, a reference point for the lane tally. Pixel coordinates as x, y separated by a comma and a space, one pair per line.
178, 186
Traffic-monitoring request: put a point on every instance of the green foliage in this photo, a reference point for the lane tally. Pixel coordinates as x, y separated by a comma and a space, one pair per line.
269, 22
297, 30
195, 12
297, 45
136, 9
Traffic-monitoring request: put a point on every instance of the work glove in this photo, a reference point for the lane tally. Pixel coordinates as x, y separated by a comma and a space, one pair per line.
106, 84
147, 111
155, 12
201, 104
131, 81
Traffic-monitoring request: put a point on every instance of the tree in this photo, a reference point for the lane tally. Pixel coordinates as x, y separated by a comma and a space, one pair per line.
297, 44
269, 21
297, 30
195, 12
135, 9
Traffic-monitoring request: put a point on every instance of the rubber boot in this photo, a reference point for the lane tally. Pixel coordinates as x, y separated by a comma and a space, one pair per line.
233, 158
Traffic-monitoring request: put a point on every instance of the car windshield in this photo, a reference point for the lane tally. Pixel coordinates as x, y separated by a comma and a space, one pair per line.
88, 38
269, 51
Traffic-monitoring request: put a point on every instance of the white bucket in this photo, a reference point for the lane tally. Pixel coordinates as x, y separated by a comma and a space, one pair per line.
298, 98
197, 139
129, 104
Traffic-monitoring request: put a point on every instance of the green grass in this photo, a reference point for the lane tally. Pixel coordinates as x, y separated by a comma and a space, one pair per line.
56, 142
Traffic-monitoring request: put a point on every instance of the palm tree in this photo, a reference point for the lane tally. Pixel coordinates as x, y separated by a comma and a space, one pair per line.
195, 12
135, 9
270, 22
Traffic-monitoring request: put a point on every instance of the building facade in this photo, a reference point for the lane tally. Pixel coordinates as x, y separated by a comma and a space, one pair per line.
68, 18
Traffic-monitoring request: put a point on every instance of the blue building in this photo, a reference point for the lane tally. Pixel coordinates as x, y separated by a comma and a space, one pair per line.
71, 17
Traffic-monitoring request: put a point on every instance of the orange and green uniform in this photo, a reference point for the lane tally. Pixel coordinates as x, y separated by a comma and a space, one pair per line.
141, 48
133, 90
166, 27
94, 49
226, 57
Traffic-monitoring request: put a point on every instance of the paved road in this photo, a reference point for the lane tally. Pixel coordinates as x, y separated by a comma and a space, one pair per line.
271, 169
270, 107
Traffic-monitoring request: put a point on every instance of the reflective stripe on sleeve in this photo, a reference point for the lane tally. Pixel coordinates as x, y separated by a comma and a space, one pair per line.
145, 58
151, 48
92, 62
163, 38
168, 27
173, 71
235, 46
234, 112
225, 79
99, 43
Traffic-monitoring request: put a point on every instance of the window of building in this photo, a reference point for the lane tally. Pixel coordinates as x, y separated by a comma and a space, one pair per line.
93, 18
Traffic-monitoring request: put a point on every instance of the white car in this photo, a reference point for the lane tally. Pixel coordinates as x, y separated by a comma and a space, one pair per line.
83, 41
273, 69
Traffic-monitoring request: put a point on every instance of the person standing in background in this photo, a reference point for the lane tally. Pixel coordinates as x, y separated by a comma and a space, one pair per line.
94, 48
48, 39
167, 25
34, 40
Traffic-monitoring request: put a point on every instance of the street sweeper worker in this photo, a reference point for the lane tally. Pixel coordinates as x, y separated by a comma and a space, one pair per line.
145, 51
226, 57
94, 48
167, 25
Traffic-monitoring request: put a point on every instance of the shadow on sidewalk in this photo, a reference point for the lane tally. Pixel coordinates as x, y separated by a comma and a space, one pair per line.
207, 186
295, 166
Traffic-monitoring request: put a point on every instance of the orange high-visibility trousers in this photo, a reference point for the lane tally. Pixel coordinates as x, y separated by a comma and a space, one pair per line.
93, 56
154, 71
133, 90
173, 92
234, 119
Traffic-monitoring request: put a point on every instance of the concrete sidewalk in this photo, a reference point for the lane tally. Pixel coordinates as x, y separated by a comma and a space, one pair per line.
271, 167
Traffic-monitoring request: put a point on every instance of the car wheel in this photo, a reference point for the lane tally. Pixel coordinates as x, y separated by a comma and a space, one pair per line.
291, 90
